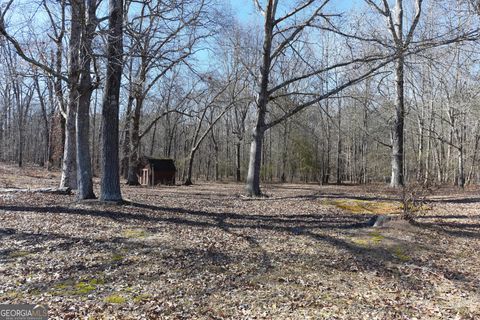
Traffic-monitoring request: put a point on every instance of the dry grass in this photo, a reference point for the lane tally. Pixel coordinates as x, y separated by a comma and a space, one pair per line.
365, 206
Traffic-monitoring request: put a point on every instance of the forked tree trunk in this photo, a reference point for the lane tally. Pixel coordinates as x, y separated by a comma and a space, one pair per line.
110, 182
188, 180
197, 141
85, 88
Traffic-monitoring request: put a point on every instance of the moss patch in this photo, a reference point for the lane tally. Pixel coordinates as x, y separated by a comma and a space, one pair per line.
373, 238
114, 298
366, 206
117, 257
18, 254
83, 287
135, 233
376, 237
13, 294
400, 254
361, 242
141, 298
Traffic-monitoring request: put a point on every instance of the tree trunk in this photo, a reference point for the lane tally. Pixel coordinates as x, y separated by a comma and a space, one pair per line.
327, 168
461, 168
69, 172
255, 161
132, 178
339, 146
20, 143
85, 88
238, 160
254, 165
364, 178
69, 164
84, 164
126, 139
110, 182
188, 180
215, 148
94, 134
152, 145
283, 177
397, 180
474, 157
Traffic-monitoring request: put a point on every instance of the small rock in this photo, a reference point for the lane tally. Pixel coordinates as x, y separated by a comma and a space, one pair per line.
381, 221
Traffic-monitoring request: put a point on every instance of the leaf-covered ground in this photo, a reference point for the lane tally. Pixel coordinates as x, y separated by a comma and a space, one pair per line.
207, 252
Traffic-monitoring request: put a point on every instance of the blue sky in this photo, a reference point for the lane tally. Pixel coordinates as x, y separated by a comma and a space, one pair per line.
245, 12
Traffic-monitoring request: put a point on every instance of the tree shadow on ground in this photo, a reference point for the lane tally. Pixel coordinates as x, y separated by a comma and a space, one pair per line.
238, 225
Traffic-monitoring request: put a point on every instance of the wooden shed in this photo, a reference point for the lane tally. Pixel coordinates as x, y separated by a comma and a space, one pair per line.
153, 171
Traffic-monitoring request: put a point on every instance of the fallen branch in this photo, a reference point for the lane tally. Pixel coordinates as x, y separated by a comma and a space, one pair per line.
64, 191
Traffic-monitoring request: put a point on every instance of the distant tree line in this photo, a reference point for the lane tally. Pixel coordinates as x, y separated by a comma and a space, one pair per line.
386, 91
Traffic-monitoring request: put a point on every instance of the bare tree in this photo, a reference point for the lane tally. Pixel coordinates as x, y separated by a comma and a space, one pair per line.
211, 104
155, 49
278, 37
401, 41
110, 181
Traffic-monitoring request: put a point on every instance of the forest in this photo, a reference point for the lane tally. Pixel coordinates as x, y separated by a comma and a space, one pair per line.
304, 158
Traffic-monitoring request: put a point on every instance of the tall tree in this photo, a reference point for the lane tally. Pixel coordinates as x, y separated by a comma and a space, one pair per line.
401, 41
161, 36
110, 181
87, 12
279, 37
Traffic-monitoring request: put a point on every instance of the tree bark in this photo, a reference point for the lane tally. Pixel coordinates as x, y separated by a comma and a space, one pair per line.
21, 139
283, 177
126, 139
110, 181
69, 171
188, 180
84, 164
255, 162
238, 160
85, 88
152, 145
364, 177
132, 179
69, 164
339, 146
254, 165
397, 180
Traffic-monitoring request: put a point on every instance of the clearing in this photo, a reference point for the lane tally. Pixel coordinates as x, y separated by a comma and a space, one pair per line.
207, 252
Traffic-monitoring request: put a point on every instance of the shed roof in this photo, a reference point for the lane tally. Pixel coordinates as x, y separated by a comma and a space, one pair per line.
159, 164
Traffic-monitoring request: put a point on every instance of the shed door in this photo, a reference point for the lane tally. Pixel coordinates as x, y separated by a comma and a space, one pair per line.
145, 176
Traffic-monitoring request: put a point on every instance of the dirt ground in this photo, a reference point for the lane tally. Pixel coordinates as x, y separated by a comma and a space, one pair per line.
208, 252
